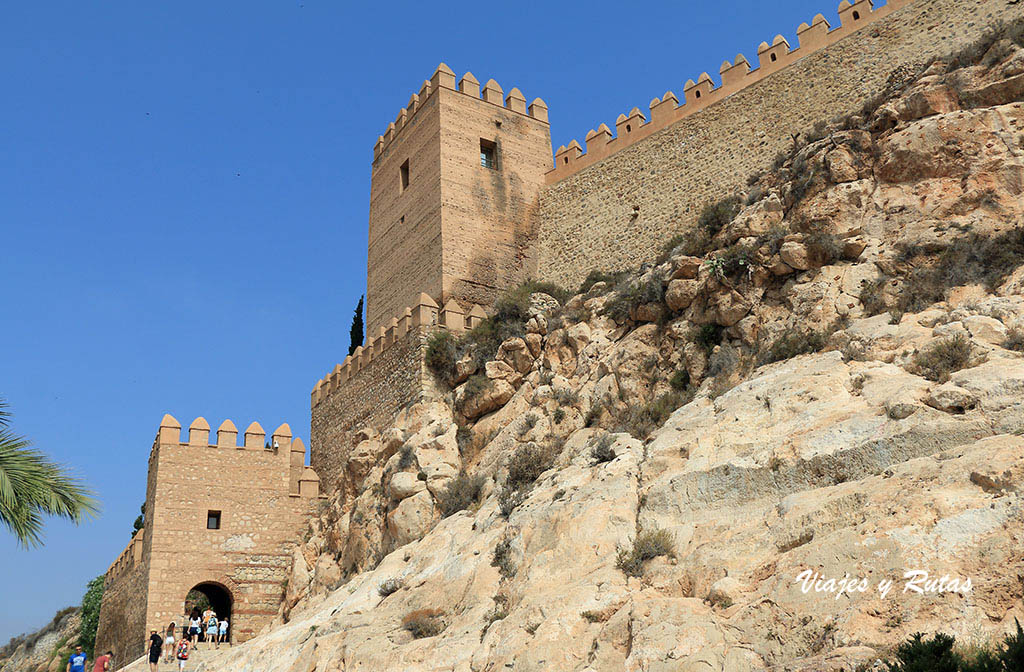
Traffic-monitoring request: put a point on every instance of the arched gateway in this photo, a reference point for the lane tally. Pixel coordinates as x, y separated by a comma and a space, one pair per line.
212, 595
222, 518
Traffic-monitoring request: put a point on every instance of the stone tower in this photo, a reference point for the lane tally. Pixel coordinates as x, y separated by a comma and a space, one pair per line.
222, 519
455, 181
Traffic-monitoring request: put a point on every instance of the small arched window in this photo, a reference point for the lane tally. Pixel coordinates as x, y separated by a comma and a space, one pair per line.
696, 94
629, 129
565, 160
774, 58
856, 15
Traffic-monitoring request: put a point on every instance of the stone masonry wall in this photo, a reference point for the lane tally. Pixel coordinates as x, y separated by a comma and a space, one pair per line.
371, 396
662, 182
123, 612
486, 212
404, 251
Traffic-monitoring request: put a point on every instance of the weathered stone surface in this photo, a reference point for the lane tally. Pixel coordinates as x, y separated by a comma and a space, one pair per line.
680, 294
794, 255
515, 353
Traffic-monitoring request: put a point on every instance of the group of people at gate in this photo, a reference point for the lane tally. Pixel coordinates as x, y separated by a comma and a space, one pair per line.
205, 627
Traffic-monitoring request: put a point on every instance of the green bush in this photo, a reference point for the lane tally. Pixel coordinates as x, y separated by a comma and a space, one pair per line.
943, 357
646, 546
596, 276
511, 313
442, 353
463, 492
602, 451
680, 380
716, 216
735, 262
926, 655
558, 416
708, 336
940, 653
632, 293
91, 614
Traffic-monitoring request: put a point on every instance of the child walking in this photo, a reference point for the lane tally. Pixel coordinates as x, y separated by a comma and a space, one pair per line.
182, 654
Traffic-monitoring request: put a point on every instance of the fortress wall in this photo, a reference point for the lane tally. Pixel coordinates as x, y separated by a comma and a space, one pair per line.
372, 396
123, 611
672, 174
374, 383
262, 520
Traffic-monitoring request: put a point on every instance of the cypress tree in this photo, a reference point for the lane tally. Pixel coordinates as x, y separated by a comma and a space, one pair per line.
356, 333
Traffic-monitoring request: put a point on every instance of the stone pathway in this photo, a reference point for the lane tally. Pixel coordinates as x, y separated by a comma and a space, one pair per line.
194, 657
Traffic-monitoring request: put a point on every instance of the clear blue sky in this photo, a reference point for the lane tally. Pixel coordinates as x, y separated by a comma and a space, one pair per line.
184, 194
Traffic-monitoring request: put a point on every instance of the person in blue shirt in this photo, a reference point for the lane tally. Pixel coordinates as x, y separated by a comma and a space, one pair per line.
76, 663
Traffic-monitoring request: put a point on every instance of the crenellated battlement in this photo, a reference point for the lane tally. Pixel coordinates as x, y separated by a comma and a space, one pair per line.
303, 480
424, 315
735, 75
129, 557
468, 85
254, 437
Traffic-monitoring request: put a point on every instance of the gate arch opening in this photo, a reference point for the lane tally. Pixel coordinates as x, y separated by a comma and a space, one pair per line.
209, 595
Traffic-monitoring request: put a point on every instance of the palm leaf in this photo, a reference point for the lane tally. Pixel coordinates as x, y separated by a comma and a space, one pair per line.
33, 486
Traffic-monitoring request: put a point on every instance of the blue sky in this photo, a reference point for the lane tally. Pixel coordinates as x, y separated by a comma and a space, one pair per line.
184, 195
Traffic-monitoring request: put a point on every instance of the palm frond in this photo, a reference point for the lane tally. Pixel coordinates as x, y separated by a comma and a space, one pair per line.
33, 486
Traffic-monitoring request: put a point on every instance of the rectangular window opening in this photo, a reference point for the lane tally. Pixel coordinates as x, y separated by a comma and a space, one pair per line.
404, 173
213, 520
488, 154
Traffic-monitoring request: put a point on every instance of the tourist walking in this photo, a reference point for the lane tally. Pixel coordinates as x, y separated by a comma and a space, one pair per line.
103, 662
156, 645
193, 628
182, 654
76, 663
222, 633
211, 629
169, 643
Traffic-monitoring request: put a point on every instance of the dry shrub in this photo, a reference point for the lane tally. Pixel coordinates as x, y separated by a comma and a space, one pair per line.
940, 359
424, 622
1014, 339
502, 558
462, 493
647, 545
389, 586
602, 451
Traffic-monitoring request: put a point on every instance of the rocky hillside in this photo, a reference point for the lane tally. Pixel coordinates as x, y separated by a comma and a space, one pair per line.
823, 378
43, 650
